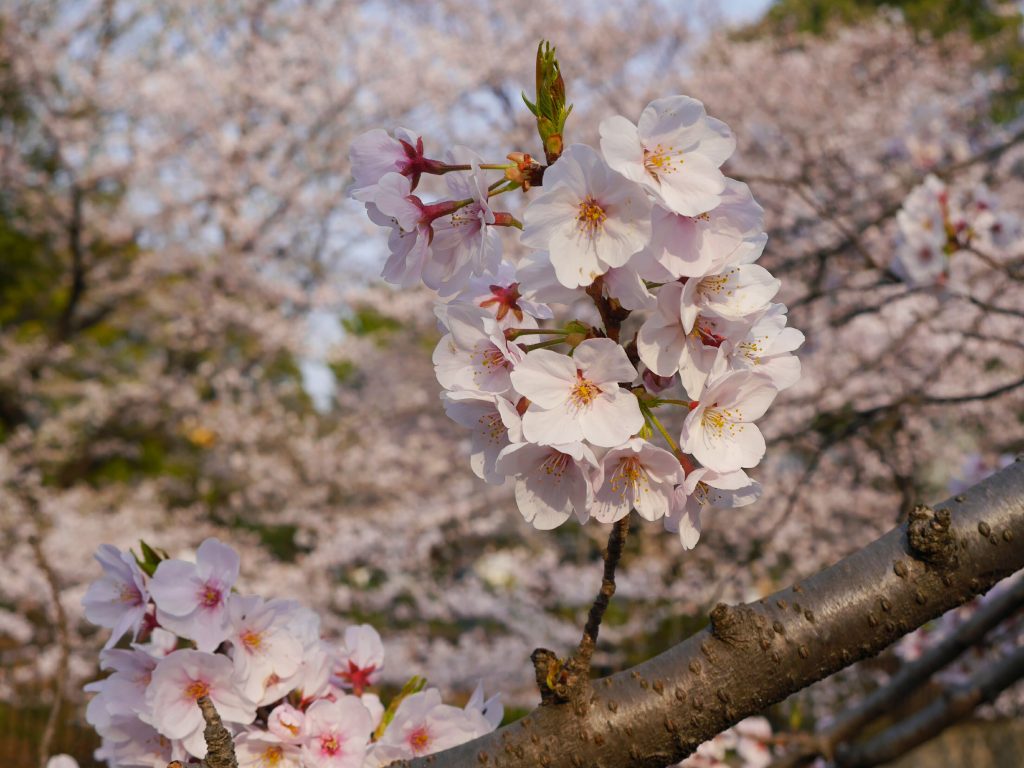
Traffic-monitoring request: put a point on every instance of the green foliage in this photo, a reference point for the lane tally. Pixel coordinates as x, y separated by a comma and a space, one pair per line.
371, 322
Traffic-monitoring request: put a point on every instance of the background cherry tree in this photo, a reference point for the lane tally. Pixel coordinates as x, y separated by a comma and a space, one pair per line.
174, 252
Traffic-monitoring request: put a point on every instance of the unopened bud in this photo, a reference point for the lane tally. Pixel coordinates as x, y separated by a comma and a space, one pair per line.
575, 339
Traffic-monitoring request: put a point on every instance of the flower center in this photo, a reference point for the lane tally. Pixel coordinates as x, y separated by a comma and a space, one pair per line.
591, 217
555, 464
492, 426
493, 358
660, 161
419, 740
715, 284
506, 300
583, 393
271, 756
329, 744
358, 677
130, 594
251, 640
719, 420
197, 689
753, 349
629, 476
210, 595
704, 332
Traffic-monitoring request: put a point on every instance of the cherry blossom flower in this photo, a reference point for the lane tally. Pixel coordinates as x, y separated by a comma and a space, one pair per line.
589, 218
119, 599
675, 151
191, 598
921, 252
767, 348
139, 744
552, 481
336, 733
474, 355
285, 722
124, 691
665, 346
719, 432
179, 680
465, 243
735, 293
262, 646
313, 674
360, 659
411, 231
693, 246
374, 154
539, 282
637, 475
263, 749
501, 294
704, 488
578, 398
424, 725
491, 709
494, 423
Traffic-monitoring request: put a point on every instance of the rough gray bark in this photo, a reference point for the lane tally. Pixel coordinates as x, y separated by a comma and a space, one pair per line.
756, 654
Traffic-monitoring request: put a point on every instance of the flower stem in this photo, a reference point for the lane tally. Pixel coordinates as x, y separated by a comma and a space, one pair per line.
670, 401
515, 333
544, 344
653, 420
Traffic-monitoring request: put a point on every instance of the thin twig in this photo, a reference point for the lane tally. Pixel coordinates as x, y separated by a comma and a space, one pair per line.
612, 554
63, 638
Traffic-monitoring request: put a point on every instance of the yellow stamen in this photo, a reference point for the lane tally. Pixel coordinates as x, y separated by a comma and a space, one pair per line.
591, 217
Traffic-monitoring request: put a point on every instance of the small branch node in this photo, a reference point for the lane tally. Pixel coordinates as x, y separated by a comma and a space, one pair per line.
931, 537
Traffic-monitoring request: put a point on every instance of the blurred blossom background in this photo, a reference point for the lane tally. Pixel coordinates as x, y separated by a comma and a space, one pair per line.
194, 341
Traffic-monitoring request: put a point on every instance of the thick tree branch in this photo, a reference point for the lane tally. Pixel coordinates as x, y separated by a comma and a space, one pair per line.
954, 704
754, 655
850, 722
918, 672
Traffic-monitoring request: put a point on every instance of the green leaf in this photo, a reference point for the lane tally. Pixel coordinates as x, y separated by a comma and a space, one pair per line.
151, 558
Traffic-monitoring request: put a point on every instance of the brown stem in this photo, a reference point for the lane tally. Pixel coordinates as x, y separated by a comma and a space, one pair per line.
952, 705
754, 655
220, 749
612, 554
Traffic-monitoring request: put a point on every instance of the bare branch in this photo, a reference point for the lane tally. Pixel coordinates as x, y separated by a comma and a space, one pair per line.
955, 703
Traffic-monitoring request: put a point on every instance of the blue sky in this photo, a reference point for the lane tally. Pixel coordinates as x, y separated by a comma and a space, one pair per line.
744, 10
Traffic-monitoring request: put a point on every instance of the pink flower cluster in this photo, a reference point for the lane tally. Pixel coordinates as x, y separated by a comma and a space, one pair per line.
290, 698
649, 232
936, 222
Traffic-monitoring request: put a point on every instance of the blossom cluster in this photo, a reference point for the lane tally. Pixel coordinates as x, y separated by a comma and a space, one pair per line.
936, 222
646, 224
290, 698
